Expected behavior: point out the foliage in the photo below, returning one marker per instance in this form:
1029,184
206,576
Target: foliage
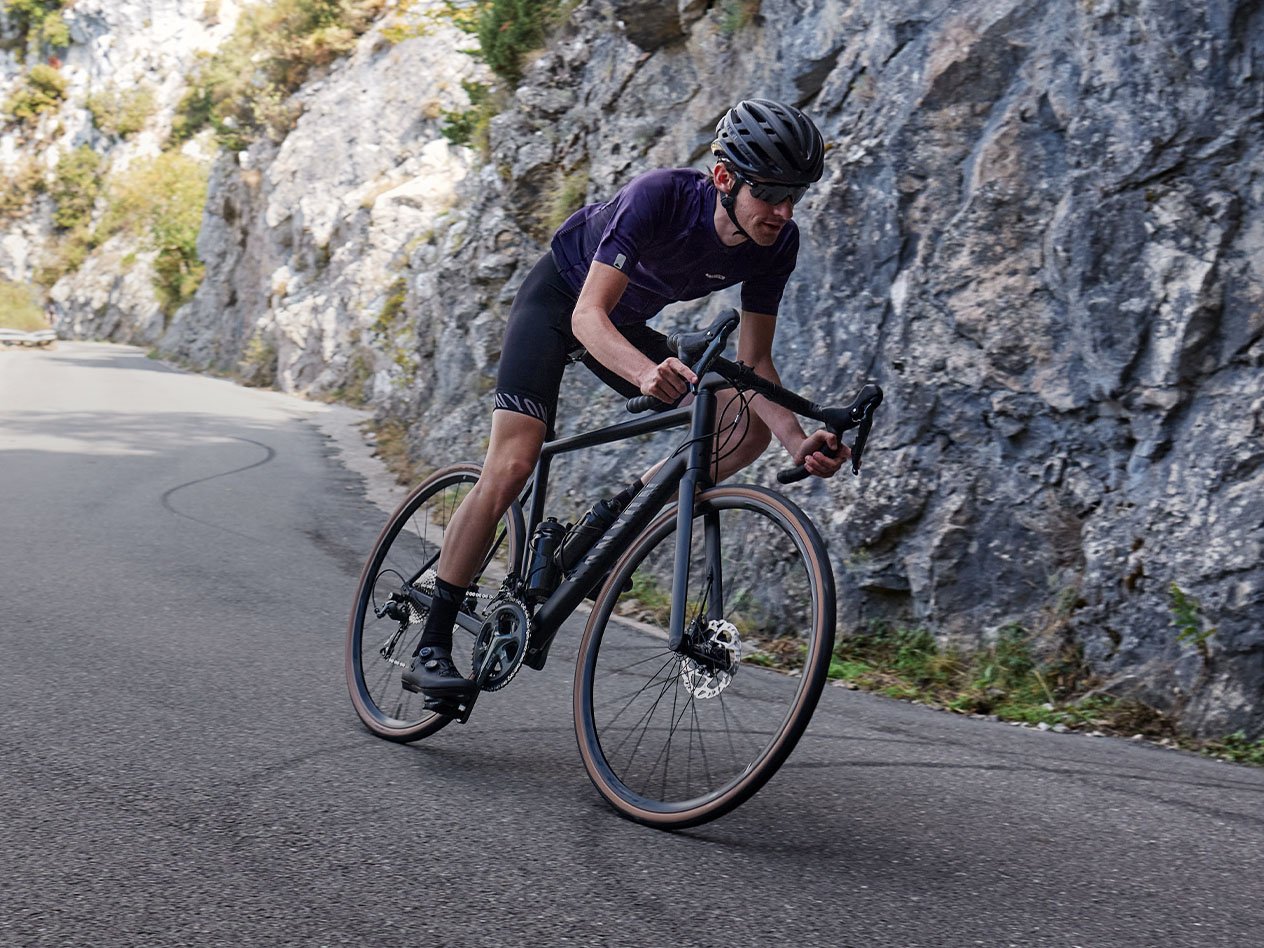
1238,748
161,200
1186,616
76,187
43,90
392,307
19,308
19,186
1003,678
391,446
38,23
121,113
736,15
243,91
258,367
469,126
69,251
565,198
507,30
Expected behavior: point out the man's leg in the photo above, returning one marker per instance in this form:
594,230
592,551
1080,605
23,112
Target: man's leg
511,456
736,447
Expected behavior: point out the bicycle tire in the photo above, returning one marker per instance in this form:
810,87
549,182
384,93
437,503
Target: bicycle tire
625,641
379,649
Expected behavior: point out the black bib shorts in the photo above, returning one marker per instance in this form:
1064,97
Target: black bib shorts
539,345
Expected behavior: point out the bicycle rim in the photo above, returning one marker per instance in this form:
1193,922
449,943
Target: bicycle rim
673,742
380,649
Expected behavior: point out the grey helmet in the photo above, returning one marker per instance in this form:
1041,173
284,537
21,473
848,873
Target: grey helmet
768,141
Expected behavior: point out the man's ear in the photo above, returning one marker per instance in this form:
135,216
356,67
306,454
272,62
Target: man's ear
723,180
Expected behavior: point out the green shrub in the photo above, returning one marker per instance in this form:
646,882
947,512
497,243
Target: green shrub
69,251
161,200
258,365
469,126
76,187
736,15
38,23
565,198
19,308
19,186
121,113
1187,617
1238,748
508,30
243,90
43,90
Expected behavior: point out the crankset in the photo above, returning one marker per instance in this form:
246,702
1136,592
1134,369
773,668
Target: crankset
501,644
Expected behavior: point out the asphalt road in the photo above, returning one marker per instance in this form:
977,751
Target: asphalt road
180,763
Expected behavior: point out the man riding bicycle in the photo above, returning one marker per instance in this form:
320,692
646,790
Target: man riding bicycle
669,235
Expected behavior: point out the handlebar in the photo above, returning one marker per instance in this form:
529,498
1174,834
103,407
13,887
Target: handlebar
701,352
858,415
703,346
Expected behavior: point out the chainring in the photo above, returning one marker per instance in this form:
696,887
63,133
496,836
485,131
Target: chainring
501,644
722,638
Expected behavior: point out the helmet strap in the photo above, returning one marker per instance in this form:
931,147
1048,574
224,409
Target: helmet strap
729,203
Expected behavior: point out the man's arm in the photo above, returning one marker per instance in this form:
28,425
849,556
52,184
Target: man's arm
754,347
591,325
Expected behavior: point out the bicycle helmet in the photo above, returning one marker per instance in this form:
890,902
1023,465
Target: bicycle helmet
767,141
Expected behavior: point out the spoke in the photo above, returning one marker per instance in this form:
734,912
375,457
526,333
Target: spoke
645,716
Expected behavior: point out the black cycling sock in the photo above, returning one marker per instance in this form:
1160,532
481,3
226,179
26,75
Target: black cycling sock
437,632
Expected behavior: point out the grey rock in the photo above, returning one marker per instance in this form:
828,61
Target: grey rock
1040,230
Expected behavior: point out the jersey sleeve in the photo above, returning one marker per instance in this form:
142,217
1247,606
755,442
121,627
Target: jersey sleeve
635,217
762,293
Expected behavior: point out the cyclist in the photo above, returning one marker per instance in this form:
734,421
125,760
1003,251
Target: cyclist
669,235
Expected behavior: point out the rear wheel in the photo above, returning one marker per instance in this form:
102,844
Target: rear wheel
677,738
385,625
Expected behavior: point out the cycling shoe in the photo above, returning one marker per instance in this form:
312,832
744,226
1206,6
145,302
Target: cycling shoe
433,673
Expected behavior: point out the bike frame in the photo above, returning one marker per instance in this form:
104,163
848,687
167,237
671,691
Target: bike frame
683,473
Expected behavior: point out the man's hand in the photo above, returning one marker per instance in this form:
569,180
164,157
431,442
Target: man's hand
667,381
815,461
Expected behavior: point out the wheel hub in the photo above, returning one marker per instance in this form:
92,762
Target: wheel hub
720,648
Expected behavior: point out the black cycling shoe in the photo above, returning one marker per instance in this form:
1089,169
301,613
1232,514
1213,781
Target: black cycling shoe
434,673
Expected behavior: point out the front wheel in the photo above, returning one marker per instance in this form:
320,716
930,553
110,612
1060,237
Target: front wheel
386,622
676,738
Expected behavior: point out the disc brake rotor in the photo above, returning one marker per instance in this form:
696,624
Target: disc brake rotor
721,640
501,644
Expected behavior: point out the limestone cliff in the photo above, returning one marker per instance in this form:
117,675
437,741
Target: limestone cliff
1040,230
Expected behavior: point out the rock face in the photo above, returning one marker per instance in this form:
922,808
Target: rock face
1040,230
114,45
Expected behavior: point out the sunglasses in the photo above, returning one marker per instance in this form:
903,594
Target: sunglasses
774,193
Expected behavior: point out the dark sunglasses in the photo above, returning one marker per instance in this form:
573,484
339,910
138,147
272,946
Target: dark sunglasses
774,193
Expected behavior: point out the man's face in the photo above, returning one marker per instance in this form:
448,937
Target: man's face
763,221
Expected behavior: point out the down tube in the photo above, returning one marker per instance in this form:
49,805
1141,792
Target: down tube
644,507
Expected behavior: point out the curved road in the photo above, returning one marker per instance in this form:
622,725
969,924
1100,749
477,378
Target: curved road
180,764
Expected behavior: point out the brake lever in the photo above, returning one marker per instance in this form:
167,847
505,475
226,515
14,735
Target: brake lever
860,417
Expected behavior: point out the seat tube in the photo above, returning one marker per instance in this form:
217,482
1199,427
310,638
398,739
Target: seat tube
698,472
539,486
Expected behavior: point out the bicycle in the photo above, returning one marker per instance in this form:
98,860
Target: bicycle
708,643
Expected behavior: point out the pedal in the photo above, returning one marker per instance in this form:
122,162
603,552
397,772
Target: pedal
452,707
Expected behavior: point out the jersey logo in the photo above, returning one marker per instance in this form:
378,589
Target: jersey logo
716,276
619,261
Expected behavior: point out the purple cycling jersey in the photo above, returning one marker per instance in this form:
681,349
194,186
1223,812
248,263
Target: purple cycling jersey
660,231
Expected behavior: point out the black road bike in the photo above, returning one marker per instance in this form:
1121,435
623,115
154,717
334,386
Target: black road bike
709,638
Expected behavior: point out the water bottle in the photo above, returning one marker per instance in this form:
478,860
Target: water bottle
586,533
544,574
592,525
